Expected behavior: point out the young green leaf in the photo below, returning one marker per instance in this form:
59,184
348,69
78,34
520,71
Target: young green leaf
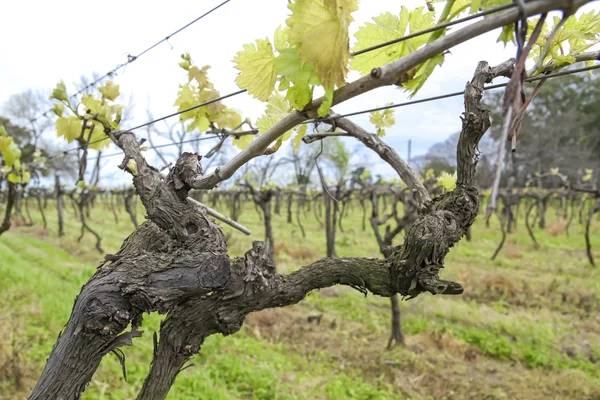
12,156
447,181
5,142
386,27
277,108
58,109
256,64
422,72
59,92
109,91
292,69
98,140
319,30
382,119
14,177
69,127
25,177
301,132
91,104
132,166
242,141
326,104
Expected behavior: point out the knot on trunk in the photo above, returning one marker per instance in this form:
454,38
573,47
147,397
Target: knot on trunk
182,175
427,280
429,240
258,265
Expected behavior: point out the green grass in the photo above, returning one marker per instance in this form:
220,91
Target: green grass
526,326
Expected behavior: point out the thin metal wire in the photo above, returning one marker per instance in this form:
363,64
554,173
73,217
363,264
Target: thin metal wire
408,103
454,94
131,58
182,28
153,121
241,133
435,28
187,109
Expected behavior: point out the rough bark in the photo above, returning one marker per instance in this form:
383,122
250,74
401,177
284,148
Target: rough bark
29,221
82,202
263,200
301,206
58,193
10,202
130,207
113,208
396,336
588,242
41,210
329,220
290,199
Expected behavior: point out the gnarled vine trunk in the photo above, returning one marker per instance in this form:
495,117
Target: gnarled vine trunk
176,263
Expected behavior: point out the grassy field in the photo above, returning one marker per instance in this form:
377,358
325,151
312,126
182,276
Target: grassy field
527,326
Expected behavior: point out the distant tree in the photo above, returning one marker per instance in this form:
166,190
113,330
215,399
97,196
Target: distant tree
30,110
561,128
441,157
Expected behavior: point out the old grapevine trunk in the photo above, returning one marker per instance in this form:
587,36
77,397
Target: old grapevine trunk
176,263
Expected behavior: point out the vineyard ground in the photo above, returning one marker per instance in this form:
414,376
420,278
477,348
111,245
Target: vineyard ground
527,326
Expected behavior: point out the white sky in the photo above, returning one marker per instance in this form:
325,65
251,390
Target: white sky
44,41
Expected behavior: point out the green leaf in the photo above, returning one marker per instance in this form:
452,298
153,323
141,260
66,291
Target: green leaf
386,27
91,104
5,142
109,91
422,73
281,38
507,34
132,166
447,181
3,131
301,132
299,96
69,127
419,20
200,122
365,174
12,156
25,177
382,119
326,104
14,178
107,115
277,109
242,141
228,119
59,92
319,30
186,98
559,61
200,75
58,109
256,64
576,35
301,74
98,140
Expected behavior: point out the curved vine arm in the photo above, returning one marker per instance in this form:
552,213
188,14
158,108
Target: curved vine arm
588,242
389,74
10,203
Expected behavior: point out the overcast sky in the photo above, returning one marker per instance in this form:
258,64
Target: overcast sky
45,41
